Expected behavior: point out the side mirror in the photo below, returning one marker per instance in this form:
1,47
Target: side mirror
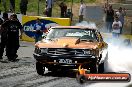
101,44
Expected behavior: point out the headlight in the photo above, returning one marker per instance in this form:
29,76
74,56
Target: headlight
86,52
37,50
40,50
44,50
93,52
89,52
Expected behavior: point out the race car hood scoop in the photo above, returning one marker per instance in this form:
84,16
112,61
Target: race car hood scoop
65,41
60,42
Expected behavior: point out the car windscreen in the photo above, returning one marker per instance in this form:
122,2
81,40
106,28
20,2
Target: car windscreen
83,34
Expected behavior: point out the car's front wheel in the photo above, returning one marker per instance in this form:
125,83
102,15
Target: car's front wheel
81,79
40,68
52,69
94,69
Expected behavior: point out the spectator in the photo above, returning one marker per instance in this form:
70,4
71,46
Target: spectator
49,5
1,21
69,14
109,17
121,14
38,30
63,8
106,5
116,26
10,32
3,32
81,12
23,6
12,5
12,44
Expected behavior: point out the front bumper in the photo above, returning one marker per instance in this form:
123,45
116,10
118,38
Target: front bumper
75,61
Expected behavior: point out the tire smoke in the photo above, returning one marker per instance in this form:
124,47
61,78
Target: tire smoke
119,52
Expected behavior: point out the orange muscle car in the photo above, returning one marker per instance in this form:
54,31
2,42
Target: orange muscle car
68,47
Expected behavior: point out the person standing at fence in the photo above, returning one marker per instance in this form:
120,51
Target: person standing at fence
23,6
81,12
3,32
38,30
1,22
63,8
116,26
109,17
12,5
49,6
121,14
12,45
69,14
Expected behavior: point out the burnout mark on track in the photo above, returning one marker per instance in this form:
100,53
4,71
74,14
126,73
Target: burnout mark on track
4,61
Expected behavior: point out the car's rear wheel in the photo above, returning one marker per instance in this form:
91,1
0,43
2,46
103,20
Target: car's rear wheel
94,67
40,68
101,68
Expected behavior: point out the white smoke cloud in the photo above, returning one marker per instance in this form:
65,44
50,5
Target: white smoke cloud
87,24
120,56
120,52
